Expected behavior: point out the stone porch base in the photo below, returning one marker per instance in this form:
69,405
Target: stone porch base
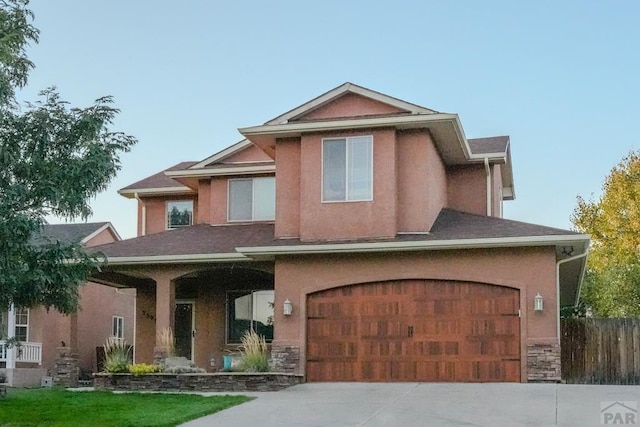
219,381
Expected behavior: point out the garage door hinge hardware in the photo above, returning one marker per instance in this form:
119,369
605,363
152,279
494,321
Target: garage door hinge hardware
519,313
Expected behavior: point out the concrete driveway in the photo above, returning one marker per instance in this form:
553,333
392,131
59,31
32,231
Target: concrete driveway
429,404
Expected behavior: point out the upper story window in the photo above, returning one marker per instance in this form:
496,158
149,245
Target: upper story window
252,199
179,213
22,324
347,169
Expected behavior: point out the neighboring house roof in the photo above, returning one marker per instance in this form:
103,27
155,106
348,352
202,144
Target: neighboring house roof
158,183
73,233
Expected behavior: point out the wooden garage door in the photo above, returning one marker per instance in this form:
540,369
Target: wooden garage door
414,330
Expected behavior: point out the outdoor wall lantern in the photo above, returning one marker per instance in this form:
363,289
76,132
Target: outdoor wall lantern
538,303
287,308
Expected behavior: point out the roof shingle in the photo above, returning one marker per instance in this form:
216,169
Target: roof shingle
207,239
493,144
67,233
160,180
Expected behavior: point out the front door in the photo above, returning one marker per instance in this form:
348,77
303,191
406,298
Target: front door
184,331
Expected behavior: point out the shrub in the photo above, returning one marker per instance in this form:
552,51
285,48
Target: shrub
253,354
180,365
144,368
166,339
184,370
116,355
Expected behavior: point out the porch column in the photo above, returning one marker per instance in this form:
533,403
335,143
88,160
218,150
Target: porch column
11,332
165,312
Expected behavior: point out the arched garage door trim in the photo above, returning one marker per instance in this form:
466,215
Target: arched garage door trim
414,330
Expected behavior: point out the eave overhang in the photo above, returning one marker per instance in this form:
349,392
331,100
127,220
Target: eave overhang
177,259
191,177
445,129
130,193
206,172
270,252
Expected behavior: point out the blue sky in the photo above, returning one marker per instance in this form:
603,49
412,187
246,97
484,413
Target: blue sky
561,78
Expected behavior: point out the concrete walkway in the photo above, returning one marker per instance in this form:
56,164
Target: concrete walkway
425,404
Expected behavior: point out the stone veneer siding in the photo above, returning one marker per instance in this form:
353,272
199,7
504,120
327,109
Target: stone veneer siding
219,381
285,358
543,363
66,370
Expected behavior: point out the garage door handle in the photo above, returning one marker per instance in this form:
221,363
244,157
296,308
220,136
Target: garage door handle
410,331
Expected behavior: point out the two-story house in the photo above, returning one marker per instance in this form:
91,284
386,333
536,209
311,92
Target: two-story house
360,234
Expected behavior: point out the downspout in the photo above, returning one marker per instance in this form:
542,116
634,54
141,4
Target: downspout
487,170
558,263
143,228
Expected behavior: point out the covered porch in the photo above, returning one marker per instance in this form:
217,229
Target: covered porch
207,306
20,364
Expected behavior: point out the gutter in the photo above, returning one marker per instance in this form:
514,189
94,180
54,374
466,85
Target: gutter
487,169
560,262
242,170
177,259
144,214
411,245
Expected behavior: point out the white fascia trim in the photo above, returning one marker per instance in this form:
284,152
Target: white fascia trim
100,230
221,171
177,259
500,157
130,193
346,88
507,193
297,128
413,246
220,155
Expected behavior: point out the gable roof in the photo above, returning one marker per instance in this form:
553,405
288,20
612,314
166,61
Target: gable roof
341,90
73,233
158,183
445,129
312,105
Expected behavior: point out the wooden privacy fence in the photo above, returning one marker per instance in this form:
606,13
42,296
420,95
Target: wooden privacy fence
600,351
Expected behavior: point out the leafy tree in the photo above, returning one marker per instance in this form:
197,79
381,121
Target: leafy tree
612,284
53,160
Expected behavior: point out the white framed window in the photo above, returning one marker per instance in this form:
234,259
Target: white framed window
117,327
179,213
22,324
250,311
347,169
252,199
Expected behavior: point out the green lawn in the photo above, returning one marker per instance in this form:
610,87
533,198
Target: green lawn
58,407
